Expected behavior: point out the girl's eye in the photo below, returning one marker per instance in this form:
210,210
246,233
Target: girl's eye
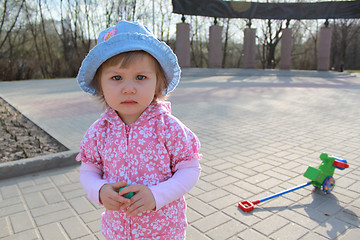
117,77
140,77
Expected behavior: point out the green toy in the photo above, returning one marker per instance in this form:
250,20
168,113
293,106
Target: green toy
322,177
129,195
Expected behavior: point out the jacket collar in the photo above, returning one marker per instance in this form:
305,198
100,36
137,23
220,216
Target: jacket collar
153,110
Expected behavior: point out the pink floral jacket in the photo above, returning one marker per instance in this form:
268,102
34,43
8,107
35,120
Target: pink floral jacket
146,152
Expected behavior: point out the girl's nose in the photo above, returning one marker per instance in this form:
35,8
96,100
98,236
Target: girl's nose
128,88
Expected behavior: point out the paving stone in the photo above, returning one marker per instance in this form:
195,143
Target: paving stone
212,195
205,185
302,220
195,191
211,221
74,227
52,196
53,217
81,205
242,193
194,234
227,230
60,180
332,228
4,226
350,215
252,234
92,216
21,222
9,192
25,235
269,183
9,202
34,200
48,209
53,231
225,201
214,176
330,206
252,188
200,207
9,210
290,231
312,236
95,227
351,234
270,224
73,194
100,236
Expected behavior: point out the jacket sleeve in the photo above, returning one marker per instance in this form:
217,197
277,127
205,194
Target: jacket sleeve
91,180
181,143
91,145
185,177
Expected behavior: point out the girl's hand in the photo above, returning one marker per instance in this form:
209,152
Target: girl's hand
110,197
142,201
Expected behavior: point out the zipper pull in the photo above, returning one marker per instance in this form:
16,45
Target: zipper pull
127,130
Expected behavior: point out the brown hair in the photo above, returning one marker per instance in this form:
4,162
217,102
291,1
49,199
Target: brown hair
125,59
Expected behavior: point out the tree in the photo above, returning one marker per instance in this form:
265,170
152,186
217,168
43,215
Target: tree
269,40
10,12
345,36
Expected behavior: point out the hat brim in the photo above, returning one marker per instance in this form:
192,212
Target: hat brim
124,43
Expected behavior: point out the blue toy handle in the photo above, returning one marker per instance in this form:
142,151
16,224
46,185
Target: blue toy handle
248,206
285,191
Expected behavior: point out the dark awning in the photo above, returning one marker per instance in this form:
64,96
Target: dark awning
255,10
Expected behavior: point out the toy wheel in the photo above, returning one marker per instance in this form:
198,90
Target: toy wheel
328,184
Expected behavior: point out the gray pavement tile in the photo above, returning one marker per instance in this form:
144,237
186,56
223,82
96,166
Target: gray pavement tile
351,234
211,221
31,234
79,231
52,231
252,234
271,224
332,229
21,221
290,231
227,230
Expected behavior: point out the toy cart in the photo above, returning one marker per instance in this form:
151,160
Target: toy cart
321,177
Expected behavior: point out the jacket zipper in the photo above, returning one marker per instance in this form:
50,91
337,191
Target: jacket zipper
127,130
129,221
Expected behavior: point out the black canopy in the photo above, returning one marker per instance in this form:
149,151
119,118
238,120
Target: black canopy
255,10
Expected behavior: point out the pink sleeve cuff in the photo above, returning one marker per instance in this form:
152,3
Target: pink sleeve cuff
91,180
178,185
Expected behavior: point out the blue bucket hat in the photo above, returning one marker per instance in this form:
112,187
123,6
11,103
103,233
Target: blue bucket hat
125,37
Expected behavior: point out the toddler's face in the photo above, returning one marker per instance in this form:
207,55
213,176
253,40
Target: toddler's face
130,90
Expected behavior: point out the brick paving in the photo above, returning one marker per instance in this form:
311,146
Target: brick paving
259,131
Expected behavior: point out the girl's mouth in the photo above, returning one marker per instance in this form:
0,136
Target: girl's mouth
129,102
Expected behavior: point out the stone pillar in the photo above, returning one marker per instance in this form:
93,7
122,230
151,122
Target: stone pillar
182,44
285,57
324,47
215,47
249,48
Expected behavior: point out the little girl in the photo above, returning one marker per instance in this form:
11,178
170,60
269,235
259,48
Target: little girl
136,141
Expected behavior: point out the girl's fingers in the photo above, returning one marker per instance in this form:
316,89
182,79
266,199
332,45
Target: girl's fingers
136,208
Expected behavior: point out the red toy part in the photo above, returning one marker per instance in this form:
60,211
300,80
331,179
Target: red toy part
248,206
341,165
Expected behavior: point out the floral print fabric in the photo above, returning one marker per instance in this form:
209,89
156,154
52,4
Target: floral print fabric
145,152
